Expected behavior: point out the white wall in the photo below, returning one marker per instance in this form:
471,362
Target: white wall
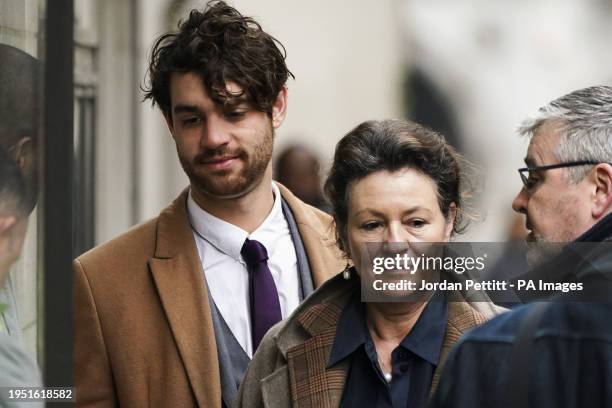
115,120
161,177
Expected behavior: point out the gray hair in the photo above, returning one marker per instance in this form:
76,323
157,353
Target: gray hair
585,132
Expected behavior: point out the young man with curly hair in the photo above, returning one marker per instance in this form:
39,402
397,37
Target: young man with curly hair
171,312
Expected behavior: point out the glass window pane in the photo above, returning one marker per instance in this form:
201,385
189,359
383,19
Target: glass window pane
21,74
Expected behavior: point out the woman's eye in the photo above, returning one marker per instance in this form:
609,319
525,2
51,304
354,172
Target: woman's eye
371,226
417,223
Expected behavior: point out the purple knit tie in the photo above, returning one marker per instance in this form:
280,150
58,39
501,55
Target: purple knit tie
265,307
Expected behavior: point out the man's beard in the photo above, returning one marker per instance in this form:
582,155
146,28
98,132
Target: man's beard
540,251
232,184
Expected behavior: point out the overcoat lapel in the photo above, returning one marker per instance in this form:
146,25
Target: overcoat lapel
178,276
312,383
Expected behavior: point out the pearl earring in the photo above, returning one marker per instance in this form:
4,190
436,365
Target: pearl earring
346,274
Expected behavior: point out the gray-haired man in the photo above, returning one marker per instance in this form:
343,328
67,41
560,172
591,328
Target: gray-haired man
553,354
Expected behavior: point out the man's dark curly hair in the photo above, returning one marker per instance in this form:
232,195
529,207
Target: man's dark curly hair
220,45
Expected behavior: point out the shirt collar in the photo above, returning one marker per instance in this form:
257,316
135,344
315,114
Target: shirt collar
351,331
225,236
599,232
425,339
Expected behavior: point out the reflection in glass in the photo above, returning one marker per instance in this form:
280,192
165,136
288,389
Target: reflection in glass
20,124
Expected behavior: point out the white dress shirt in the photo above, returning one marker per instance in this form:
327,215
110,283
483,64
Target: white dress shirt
219,244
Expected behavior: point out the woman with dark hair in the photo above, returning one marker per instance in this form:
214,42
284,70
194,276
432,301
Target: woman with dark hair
394,182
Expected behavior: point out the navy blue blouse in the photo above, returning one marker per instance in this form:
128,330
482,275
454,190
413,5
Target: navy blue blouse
414,360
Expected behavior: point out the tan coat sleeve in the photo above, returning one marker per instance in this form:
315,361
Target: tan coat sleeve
92,371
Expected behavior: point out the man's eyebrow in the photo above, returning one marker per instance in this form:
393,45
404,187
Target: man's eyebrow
181,108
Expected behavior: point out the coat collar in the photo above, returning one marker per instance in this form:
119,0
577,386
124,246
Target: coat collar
315,234
312,383
306,342
327,301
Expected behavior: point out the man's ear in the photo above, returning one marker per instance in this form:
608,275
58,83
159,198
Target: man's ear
23,153
602,195
279,109
6,223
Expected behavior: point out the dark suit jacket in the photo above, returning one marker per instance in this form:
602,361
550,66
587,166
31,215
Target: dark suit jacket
143,329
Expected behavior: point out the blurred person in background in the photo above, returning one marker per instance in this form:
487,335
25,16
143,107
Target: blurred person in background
391,182
297,168
17,368
558,353
19,123
171,312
